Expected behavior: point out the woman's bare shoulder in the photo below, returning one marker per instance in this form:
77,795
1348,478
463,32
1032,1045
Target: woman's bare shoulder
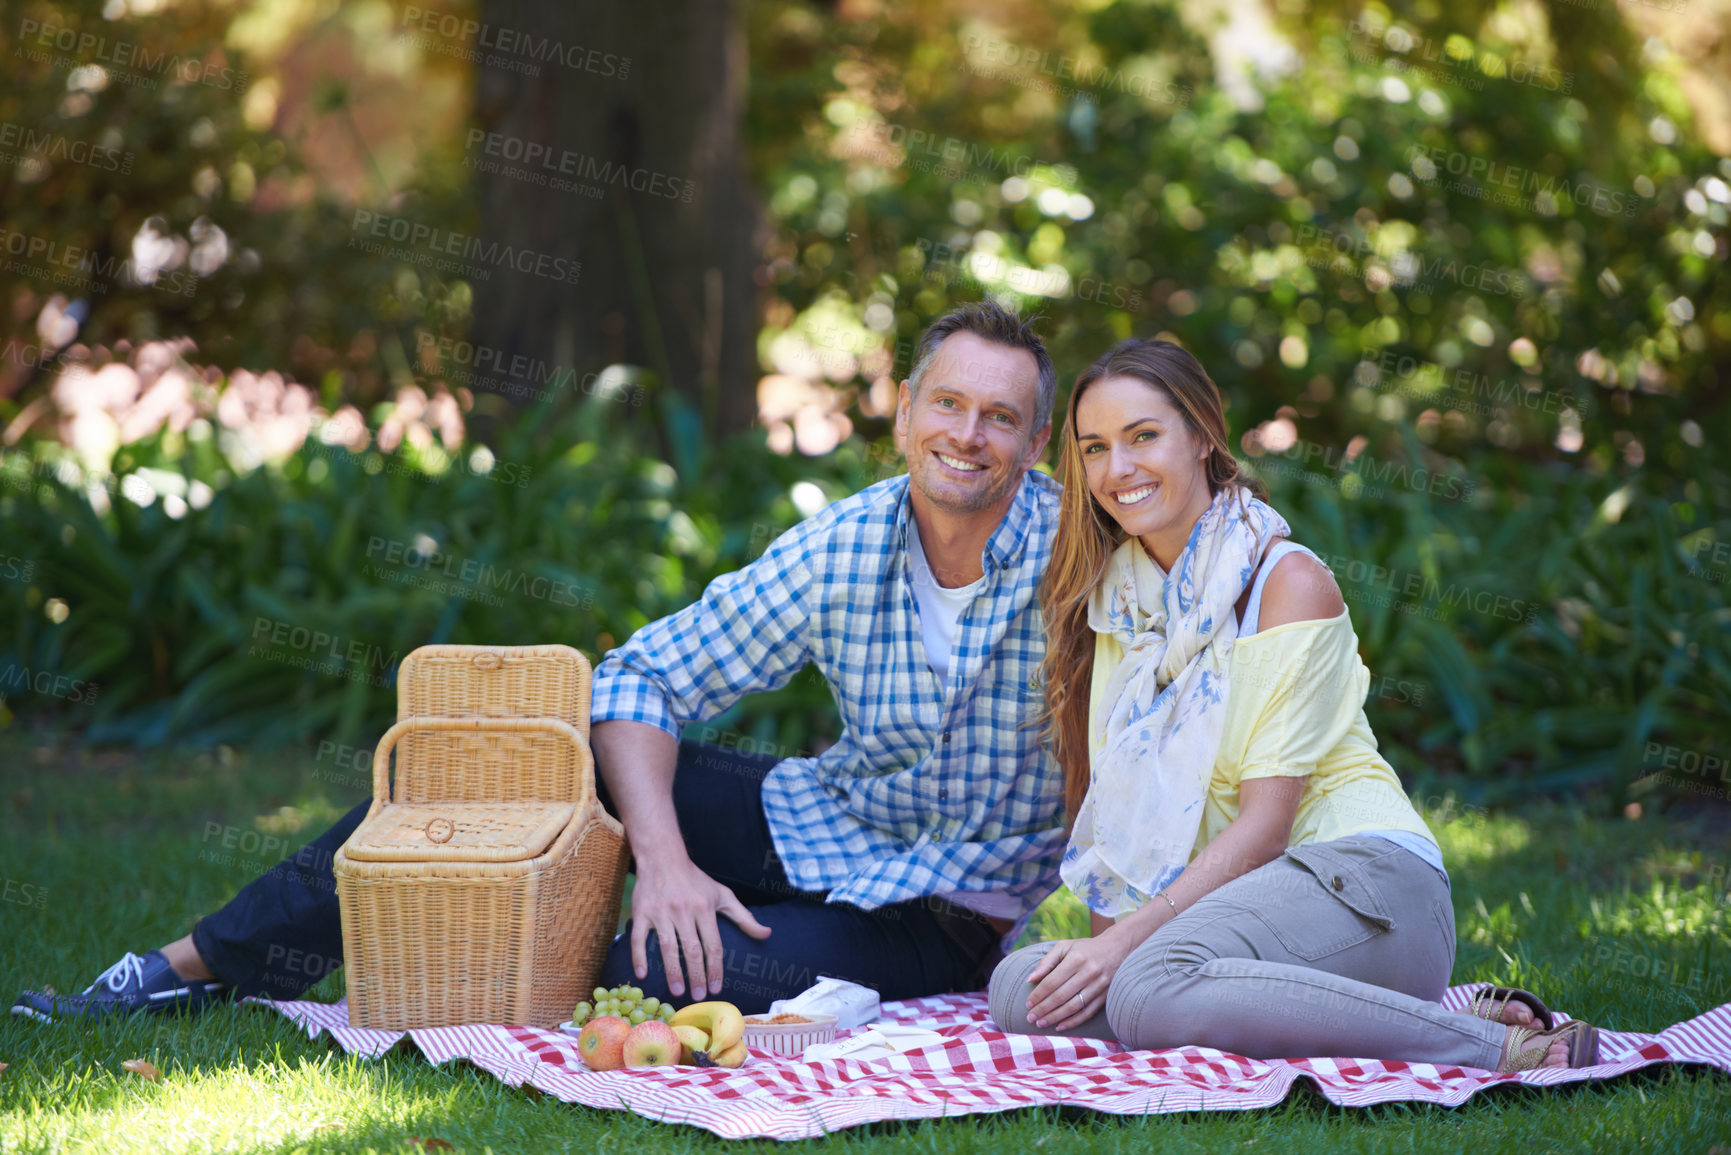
1299,589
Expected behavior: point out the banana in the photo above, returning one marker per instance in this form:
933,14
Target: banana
733,1056
691,1042
721,1021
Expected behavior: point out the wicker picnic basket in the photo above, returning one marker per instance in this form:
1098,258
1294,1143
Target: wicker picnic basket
484,884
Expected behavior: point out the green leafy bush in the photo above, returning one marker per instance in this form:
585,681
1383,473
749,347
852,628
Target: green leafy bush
278,610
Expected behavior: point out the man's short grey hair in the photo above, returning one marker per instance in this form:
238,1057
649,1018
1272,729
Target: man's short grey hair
992,322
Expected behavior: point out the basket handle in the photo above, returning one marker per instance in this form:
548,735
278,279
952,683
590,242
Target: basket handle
388,743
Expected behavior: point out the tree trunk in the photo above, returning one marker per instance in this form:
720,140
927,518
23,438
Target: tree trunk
642,106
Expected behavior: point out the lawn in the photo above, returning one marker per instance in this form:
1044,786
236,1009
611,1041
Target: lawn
1621,920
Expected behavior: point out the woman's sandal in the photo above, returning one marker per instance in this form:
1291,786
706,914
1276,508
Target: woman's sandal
1489,1003
1524,1048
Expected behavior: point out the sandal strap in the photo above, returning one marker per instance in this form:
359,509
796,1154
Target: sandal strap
1517,1056
1486,1004
1489,1003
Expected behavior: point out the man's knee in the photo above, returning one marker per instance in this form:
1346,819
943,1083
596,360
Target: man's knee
616,968
744,970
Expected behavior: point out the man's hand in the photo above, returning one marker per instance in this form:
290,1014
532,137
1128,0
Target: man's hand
672,898
679,903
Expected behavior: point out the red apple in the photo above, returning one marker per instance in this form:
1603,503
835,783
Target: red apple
602,1043
651,1044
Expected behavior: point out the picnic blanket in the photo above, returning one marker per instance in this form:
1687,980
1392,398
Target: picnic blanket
980,1069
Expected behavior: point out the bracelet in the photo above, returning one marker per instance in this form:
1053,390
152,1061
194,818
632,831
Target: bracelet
1168,898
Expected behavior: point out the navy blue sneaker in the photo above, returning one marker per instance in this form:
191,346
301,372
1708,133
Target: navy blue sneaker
132,984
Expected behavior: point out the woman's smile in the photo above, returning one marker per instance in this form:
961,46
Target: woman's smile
1129,497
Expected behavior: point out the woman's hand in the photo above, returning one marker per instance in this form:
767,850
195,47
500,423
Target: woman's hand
1069,984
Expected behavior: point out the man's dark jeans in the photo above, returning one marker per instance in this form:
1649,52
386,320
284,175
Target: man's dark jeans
283,931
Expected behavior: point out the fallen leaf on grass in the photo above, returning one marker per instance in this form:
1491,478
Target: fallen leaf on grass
3,1067
141,1067
430,1144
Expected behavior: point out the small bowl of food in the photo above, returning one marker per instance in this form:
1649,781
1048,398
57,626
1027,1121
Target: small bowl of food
788,1034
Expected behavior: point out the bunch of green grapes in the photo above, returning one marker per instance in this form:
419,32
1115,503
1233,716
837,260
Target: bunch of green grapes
626,1002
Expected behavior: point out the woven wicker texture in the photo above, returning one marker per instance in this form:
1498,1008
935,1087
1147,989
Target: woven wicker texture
486,888
459,832
485,760
495,682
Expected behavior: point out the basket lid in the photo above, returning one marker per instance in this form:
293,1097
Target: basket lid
550,681
459,831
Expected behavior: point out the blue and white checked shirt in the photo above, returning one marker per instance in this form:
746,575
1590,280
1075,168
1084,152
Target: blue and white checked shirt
933,788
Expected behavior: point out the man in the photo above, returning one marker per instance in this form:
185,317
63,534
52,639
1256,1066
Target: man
908,854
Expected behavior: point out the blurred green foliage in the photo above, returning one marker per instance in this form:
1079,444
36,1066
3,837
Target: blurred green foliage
1480,245
278,611
244,170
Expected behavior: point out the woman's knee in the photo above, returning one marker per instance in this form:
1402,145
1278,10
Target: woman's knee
1007,992
1157,1016
1139,1003
1153,1001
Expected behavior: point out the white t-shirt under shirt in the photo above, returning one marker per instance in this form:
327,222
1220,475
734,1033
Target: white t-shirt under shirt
941,610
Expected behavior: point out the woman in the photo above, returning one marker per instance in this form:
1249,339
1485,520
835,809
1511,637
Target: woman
1259,882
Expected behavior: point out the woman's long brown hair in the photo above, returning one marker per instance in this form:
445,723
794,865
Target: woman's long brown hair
1087,535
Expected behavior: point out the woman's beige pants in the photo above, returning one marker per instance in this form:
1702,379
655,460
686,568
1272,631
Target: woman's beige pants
1334,949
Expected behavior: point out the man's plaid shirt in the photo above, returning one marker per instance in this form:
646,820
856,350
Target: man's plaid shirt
932,788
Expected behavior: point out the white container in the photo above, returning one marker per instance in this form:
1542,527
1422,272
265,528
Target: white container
789,1038
851,1004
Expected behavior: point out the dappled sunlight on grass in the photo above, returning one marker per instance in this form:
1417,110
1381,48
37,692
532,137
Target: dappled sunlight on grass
1661,911
237,1106
1486,925
1476,835
1688,866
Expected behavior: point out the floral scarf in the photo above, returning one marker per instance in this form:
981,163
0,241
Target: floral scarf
1165,705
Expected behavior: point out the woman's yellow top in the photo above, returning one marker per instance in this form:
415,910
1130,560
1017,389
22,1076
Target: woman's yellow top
1294,708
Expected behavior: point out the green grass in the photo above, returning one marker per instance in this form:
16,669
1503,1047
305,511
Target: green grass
1586,910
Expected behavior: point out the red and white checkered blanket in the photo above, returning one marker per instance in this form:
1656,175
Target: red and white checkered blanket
979,1069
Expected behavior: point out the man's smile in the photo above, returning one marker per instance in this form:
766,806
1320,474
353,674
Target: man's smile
958,464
